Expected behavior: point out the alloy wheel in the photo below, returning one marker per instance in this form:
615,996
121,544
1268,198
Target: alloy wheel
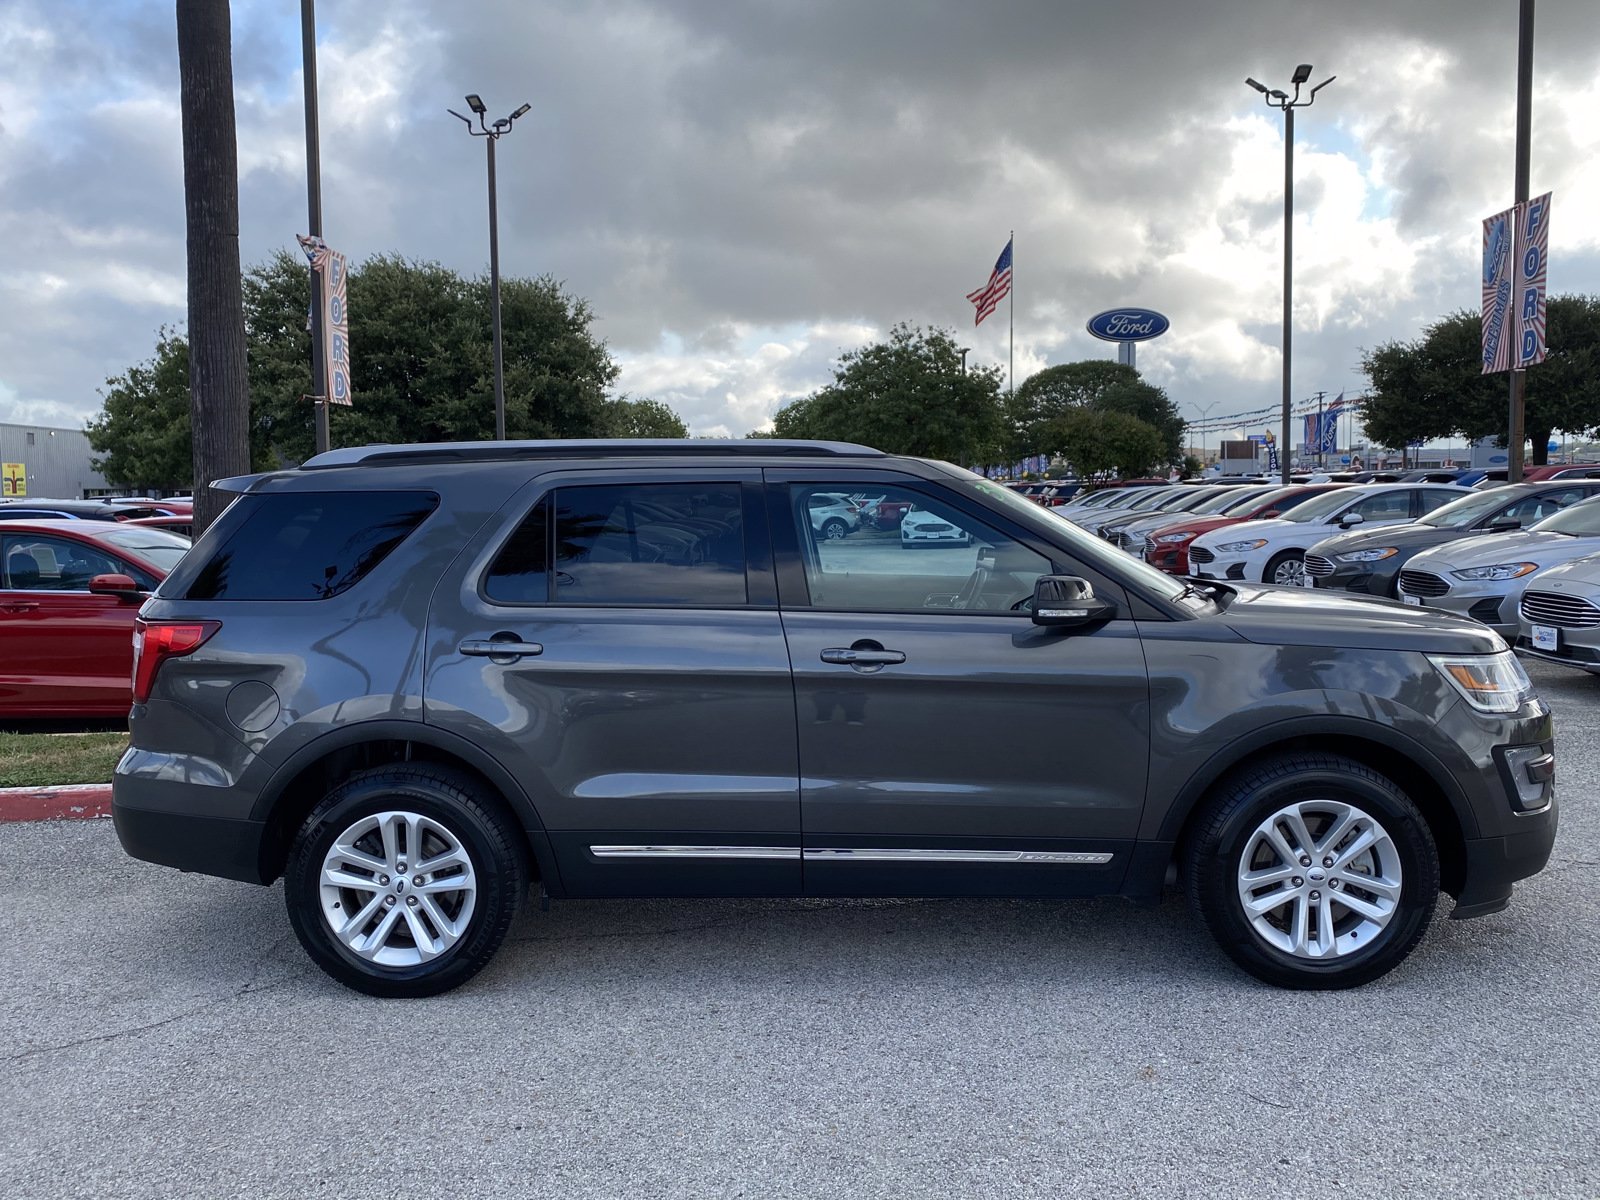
1319,879
397,888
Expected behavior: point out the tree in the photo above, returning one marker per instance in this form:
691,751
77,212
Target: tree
627,418
422,368
142,431
1097,384
1100,443
1435,386
1055,391
219,399
906,395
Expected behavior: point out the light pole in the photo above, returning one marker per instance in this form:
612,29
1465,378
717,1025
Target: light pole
492,134
1204,409
965,350
1282,100
308,56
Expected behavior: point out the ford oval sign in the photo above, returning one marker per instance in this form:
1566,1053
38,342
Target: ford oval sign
1128,325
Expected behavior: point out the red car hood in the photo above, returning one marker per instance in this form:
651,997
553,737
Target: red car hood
1196,525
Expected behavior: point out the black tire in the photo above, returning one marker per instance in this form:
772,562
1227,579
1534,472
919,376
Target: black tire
455,802
1224,828
833,529
1270,572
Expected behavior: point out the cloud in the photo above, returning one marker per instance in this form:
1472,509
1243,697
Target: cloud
743,191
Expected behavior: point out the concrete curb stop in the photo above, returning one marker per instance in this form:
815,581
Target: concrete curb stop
67,802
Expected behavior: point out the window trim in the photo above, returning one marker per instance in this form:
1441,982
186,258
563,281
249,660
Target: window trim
794,590
760,588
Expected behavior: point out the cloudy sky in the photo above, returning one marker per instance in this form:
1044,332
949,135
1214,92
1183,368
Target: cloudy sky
745,188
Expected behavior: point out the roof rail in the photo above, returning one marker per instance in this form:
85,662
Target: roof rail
583,448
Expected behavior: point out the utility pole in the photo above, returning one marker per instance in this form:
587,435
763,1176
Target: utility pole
308,57
1519,379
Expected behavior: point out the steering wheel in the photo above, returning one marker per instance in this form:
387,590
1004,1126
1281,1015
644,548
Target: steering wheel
971,593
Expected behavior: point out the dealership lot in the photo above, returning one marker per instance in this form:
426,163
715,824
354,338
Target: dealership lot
162,1034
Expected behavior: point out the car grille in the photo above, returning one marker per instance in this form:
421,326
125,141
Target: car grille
1565,612
1125,541
931,527
1200,554
1486,610
1149,546
1422,583
1317,566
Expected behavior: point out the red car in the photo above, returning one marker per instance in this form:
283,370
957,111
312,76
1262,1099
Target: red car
1167,548
69,591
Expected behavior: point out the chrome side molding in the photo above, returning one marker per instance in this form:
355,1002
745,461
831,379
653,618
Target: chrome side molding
1075,858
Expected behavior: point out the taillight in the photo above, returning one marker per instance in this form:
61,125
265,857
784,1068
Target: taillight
156,641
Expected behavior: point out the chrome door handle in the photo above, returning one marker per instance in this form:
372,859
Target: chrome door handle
862,658
21,606
490,648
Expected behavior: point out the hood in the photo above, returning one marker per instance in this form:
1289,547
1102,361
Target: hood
1580,578
1286,616
1405,537
1198,526
1485,549
1244,529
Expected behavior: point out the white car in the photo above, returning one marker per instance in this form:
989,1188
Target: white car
919,528
1484,577
1559,616
1274,551
832,515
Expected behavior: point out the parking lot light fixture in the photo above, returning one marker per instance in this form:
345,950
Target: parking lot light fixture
492,134
1286,103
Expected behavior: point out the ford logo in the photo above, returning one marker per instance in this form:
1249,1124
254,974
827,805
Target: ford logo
1128,325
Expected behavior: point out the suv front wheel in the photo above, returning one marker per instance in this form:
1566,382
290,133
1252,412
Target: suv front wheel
404,880
1313,871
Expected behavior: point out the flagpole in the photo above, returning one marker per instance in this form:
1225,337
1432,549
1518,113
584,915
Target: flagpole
1011,371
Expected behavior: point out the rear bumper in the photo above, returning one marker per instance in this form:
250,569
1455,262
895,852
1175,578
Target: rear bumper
208,845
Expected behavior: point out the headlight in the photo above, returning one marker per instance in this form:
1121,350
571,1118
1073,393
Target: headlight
1240,547
1497,571
1177,537
1491,683
1368,555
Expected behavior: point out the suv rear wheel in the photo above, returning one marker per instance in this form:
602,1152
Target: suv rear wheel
404,880
1313,871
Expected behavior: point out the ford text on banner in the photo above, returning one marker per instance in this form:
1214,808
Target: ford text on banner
1499,238
1533,252
335,317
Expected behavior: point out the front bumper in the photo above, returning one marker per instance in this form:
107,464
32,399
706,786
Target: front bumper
1174,560
1486,603
1494,864
1360,579
1579,648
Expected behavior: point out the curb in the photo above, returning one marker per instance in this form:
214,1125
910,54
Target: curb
68,802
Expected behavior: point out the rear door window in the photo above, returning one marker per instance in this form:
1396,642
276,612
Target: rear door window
663,544
308,545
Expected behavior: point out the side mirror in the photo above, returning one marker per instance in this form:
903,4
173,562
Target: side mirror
116,585
1504,524
1068,600
1350,520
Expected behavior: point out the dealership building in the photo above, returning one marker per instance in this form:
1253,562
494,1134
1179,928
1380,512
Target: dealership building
40,461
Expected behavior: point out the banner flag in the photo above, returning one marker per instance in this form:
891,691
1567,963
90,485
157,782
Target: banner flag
1330,424
330,265
1533,250
1499,238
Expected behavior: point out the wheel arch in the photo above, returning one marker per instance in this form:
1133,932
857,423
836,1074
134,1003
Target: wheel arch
1413,768
310,772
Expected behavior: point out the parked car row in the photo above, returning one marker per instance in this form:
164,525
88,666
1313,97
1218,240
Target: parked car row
1523,559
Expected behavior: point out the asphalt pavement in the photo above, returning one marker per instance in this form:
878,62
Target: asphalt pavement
163,1035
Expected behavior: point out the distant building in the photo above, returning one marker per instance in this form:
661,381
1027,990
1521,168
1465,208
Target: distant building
54,463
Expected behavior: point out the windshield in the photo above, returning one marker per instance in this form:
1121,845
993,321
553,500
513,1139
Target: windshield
1324,505
1085,545
1152,498
1458,514
1581,520
1224,500
156,546
1238,506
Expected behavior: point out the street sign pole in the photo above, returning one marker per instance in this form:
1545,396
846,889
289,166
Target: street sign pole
1519,378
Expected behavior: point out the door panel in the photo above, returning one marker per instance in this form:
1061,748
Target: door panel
1006,758
663,735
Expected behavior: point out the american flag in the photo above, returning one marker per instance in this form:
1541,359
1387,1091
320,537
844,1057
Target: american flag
988,297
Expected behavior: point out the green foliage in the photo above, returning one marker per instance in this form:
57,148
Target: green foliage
907,395
1434,386
1100,443
625,418
422,369
1192,466
1094,384
142,432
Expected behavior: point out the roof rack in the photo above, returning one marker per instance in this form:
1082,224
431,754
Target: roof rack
583,448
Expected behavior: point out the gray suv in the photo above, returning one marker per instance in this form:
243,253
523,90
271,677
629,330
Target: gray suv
417,681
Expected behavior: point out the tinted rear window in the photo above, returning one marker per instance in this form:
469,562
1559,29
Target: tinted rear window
308,545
